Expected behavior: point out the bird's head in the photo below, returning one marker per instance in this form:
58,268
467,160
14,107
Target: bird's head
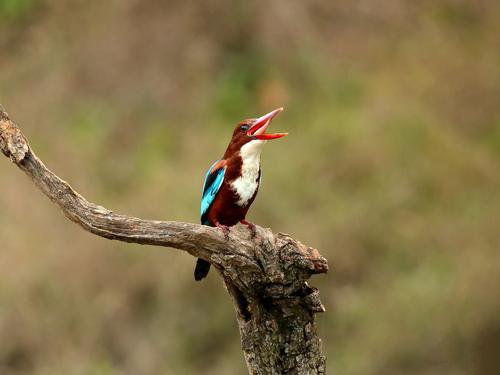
252,134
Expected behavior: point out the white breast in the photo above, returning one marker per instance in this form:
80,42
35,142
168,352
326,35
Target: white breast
246,185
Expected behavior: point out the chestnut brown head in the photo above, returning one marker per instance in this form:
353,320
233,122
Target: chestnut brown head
253,130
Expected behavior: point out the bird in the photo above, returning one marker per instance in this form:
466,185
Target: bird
232,182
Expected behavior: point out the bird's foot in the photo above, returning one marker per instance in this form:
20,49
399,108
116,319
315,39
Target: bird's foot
224,228
251,226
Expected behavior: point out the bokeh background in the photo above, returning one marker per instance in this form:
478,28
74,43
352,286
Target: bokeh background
391,170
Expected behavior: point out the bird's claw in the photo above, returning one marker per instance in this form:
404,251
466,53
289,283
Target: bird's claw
251,226
225,230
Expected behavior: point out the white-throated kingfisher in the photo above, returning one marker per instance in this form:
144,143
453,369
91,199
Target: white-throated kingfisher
231,183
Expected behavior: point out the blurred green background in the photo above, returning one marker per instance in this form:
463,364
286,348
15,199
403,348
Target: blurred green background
391,170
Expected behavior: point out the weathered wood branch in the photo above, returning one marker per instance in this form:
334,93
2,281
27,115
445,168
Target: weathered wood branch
266,276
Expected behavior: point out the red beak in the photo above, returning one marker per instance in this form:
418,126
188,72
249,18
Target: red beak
258,129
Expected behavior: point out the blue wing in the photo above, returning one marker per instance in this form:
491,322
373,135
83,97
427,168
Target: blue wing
211,186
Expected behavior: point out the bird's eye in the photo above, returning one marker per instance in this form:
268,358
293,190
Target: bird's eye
244,128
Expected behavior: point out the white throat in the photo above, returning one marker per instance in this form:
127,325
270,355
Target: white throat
246,185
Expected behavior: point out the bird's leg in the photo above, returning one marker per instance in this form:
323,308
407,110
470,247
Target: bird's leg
225,229
250,225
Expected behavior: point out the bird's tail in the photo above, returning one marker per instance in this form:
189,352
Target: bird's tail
201,269
202,266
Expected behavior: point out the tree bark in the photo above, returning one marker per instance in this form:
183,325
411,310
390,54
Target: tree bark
266,276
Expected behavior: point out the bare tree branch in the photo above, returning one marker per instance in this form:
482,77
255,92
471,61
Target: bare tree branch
200,241
266,276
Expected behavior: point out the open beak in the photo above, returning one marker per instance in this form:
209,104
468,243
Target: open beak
258,129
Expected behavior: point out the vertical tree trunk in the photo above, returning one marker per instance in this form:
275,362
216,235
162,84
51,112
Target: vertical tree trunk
282,342
276,307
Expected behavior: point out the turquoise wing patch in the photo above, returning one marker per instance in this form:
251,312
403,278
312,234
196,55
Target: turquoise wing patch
211,186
